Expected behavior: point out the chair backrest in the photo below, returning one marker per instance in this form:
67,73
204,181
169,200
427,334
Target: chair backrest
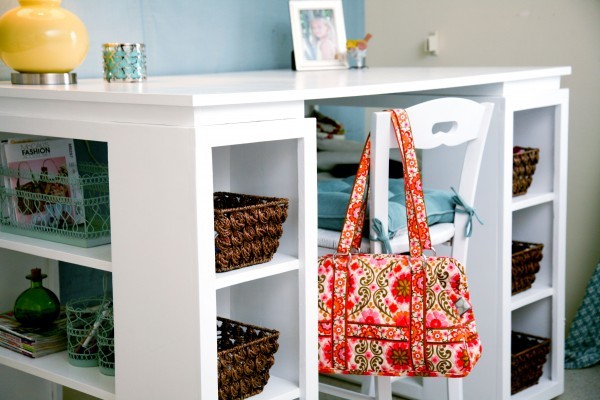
436,123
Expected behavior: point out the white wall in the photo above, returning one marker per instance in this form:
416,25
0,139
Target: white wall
516,33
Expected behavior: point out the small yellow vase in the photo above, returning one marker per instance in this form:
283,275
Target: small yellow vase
41,37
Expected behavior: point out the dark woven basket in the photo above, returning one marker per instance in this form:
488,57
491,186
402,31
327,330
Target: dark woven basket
525,160
528,356
526,259
247,229
245,355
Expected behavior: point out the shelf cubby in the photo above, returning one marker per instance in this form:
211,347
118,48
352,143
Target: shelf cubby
56,368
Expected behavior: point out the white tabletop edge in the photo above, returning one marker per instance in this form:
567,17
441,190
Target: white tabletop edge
278,85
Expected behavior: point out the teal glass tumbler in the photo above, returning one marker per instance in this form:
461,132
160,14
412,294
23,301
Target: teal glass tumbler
124,62
82,326
106,344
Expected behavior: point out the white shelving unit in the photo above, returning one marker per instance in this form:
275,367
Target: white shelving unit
174,140
529,118
540,216
164,281
530,113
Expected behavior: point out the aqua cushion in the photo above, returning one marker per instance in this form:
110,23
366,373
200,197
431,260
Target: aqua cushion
334,194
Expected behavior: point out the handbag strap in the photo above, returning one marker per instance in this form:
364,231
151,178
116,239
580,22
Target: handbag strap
351,234
418,230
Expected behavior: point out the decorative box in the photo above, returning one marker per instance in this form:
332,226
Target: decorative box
525,160
526,259
528,356
245,355
247,229
56,207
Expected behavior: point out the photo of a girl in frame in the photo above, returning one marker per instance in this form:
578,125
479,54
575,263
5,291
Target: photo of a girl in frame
319,35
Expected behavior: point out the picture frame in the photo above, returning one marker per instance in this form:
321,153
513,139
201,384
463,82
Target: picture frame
319,34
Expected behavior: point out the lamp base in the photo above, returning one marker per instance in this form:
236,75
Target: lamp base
23,78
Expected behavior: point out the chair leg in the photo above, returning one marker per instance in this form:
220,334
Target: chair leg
368,386
380,388
383,388
455,389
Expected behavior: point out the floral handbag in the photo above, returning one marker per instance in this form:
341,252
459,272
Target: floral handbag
392,314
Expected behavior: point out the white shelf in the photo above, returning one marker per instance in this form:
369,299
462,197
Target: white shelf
540,309
529,296
545,389
56,368
280,264
98,257
278,389
531,199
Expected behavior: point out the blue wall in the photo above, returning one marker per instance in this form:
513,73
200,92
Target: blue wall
194,36
186,37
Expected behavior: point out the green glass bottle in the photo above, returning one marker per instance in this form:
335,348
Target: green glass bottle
37,306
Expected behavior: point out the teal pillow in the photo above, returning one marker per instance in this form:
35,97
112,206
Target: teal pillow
334,194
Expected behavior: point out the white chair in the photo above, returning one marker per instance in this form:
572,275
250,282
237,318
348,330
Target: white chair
444,126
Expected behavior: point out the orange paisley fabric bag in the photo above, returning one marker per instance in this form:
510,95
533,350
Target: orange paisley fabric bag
392,314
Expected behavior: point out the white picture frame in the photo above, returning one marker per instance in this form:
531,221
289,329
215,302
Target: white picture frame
318,34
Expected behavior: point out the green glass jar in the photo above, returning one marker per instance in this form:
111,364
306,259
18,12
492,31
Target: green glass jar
37,306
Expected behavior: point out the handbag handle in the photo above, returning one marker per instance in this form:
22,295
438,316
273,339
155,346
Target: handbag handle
418,229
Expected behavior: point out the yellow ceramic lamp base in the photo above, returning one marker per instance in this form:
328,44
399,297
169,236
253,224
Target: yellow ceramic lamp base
41,37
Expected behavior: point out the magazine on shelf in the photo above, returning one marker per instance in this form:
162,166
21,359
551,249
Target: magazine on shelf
34,352
44,176
33,342
5,182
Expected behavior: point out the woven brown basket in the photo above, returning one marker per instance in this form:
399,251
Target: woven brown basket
528,356
525,160
245,355
247,229
526,259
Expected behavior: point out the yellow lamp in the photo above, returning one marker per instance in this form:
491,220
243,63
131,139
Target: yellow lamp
43,42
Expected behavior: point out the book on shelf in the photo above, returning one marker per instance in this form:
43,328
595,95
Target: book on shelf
44,176
5,182
33,342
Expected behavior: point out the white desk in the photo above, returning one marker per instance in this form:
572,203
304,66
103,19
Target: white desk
173,140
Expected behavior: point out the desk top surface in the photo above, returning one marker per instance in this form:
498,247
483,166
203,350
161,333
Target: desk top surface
278,85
